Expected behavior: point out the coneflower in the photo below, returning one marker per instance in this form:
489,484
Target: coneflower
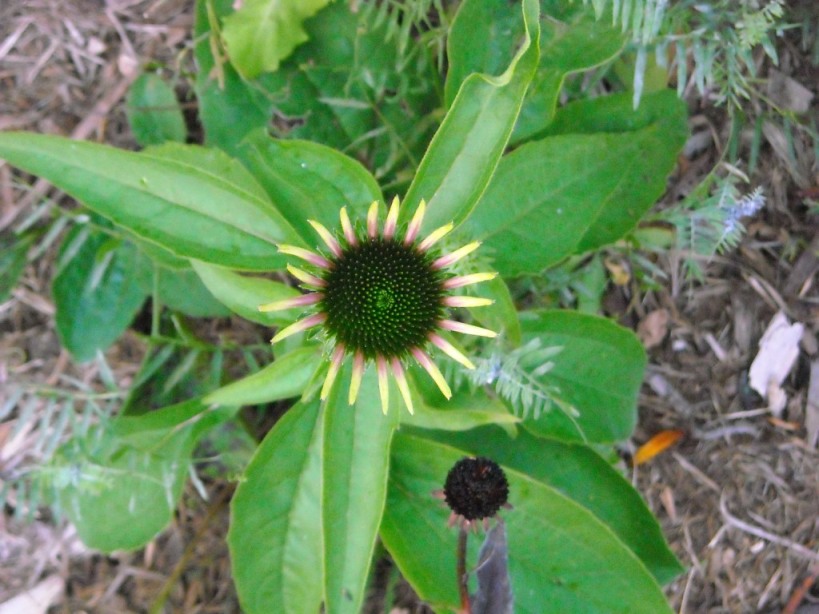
382,297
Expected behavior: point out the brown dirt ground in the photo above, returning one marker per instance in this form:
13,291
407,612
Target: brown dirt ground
738,496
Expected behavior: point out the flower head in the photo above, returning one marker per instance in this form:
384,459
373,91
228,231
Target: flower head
475,489
382,297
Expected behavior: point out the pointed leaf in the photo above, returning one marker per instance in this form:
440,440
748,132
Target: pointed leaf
95,293
354,486
187,199
154,112
466,149
275,526
243,295
308,181
285,378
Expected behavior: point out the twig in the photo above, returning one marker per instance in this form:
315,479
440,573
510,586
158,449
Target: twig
799,594
791,545
463,587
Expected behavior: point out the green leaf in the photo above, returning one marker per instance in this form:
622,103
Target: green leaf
559,553
582,188
185,198
275,525
571,42
229,106
285,378
154,112
123,491
578,472
484,33
354,486
95,292
308,181
263,32
243,295
599,372
13,252
462,412
466,149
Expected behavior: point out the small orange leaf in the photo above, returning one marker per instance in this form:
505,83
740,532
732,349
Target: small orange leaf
659,443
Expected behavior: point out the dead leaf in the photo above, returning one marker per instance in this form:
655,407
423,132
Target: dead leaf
37,600
787,93
494,594
620,274
778,351
653,328
659,443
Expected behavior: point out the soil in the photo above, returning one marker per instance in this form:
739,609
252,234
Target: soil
737,495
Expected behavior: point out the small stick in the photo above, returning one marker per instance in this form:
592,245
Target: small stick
463,588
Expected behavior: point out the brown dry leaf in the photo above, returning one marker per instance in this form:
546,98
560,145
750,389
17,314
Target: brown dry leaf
653,328
659,443
787,93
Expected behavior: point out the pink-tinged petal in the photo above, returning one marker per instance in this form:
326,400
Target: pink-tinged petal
467,329
435,236
355,380
447,348
347,227
433,370
297,327
305,277
453,257
329,240
466,280
296,301
403,387
305,254
466,301
383,382
332,372
392,219
415,224
372,221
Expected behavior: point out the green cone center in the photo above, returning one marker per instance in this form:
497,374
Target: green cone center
382,298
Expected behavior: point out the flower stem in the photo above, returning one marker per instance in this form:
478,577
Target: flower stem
463,588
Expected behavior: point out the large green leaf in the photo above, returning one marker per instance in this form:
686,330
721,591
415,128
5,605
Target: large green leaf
308,181
263,32
561,558
120,488
583,187
354,486
96,294
466,148
599,371
154,112
275,526
187,199
581,474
